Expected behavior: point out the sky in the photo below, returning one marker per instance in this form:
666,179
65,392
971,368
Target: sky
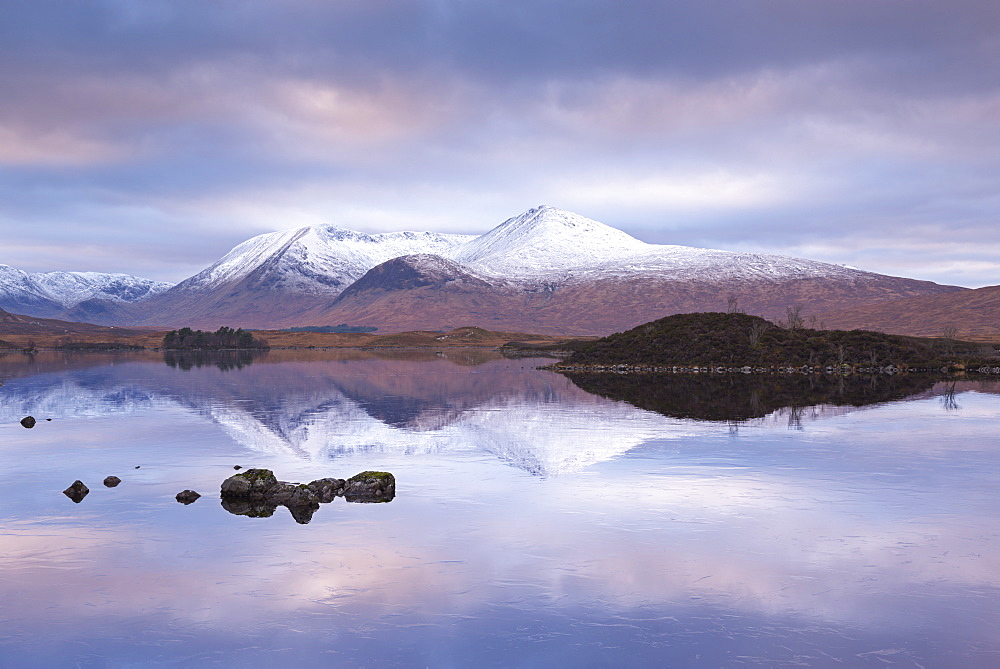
151,136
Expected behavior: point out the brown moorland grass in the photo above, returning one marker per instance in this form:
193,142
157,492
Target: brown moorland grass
459,337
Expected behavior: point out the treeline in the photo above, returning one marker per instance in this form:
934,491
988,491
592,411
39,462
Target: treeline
223,338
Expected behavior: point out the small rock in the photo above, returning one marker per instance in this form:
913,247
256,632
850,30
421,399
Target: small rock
28,421
292,494
187,496
112,481
251,483
327,489
137,466
77,491
370,487
48,420
237,467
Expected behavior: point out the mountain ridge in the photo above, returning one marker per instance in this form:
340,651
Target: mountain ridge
545,270
67,295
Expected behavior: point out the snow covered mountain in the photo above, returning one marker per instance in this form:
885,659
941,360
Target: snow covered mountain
557,246
322,260
59,294
546,270
272,277
549,244
552,271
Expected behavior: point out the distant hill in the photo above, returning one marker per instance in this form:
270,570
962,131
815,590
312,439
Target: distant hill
973,314
735,339
74,295
16,324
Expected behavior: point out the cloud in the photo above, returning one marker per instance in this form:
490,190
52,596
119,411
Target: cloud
773,126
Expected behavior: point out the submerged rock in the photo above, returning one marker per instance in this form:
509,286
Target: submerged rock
28,421
369,487
112,481
187,497
77,491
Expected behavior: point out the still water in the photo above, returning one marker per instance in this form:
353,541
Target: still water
539,520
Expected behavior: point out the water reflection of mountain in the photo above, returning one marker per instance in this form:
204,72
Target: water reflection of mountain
743,397
316,405
326,404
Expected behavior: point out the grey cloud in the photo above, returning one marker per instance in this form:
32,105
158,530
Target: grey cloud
868,120
494,38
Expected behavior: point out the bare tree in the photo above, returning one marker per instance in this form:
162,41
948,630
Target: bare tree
756,330
733,303
795,320
949,333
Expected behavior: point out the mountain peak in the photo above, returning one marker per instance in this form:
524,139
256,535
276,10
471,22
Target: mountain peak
414,271
548,240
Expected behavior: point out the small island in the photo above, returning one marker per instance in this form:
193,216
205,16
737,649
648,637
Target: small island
739,342
221,339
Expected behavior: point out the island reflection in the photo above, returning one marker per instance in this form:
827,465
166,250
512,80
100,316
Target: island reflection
741,397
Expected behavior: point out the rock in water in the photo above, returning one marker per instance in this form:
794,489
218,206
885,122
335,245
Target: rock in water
292,494
251,483
112,481
370,487
77,491
28,421
257,493
187,496
327,489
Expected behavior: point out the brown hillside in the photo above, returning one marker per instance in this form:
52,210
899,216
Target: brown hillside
974,314
17,329
594,307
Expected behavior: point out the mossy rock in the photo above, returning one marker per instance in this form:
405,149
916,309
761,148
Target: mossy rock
251,483
370,487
